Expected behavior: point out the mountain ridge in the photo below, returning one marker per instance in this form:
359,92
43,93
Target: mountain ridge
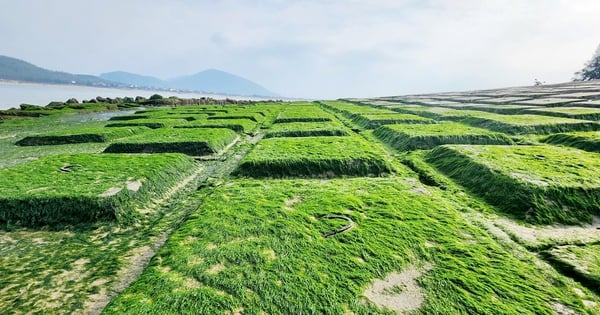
207,81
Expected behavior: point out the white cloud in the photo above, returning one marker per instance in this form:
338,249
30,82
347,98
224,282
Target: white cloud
313,48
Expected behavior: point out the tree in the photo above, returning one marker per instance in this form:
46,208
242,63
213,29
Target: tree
591,70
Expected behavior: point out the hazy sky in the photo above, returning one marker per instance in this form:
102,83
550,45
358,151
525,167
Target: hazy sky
318,49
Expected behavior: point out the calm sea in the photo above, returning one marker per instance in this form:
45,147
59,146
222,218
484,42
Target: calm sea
14,94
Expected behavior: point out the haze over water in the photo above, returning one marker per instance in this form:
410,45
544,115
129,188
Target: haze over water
14,94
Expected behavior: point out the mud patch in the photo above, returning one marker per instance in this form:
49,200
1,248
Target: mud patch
110,192
398,291
562,309
135,185
290,202
215,269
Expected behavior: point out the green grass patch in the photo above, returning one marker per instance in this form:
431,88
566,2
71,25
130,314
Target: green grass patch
83,188
589,141
585,113
82,135
306,129
535,124
313,157
268,255
428,136
191,141
374,121
237,125
538,184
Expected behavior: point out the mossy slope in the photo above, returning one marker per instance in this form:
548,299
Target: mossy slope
428,136
81,188
540,184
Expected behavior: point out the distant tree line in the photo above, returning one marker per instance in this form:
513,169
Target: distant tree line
591,70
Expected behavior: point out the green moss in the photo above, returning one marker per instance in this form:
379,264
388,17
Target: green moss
152,123
82,135
374,121
306,129
536,124
580,262
237,125
428,136
191,141
80,188
584,113
539,184
269,255
349,109
589,141
313,156
303,113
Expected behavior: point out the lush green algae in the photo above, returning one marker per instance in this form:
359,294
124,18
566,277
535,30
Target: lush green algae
191,141
80,188
306,129
269,255
313,157
540,184
428,136
589,141
80,135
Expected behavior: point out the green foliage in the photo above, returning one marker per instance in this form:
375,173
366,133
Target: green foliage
82,135
591,70
589,141
81,188
539,184
269,255
428,136
313,157
191,141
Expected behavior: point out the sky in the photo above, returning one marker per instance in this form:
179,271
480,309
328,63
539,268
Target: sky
312,49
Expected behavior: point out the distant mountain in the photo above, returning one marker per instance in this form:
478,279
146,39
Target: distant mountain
216,81
208,81
135,79
19,70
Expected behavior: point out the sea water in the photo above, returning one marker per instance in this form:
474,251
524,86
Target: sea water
13,94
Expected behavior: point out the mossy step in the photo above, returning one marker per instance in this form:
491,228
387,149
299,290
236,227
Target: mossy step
191,141
237,125
530,124
306,129
81,135
589,141
313,157
540,184
258,246
374,121
428,136
84,188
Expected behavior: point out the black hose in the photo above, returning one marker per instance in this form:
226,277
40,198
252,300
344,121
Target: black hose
343,229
